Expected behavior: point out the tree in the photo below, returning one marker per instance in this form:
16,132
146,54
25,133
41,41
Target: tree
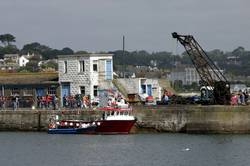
35,48
238,52
9,49
1,52
7,39
35,58
50,64
67,51
81,52
32,66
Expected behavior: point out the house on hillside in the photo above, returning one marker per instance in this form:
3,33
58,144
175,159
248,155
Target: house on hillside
9,62
85,74
22,61
11,58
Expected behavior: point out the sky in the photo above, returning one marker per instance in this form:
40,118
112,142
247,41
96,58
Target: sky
98,25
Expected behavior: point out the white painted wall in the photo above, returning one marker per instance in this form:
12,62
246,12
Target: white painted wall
22,61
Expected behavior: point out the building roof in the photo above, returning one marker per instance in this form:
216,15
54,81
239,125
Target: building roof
28,78
83,55
10,55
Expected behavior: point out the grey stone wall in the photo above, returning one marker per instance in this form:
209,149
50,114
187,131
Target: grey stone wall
130,84
73,75
38,120
189,119
195,119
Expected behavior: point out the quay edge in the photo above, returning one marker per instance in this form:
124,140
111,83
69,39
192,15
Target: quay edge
178,118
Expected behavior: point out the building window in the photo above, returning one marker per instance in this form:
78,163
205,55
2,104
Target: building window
65,67
15,91
51,90
28,92
82,66
82,90
143,89
95,91
108,70
95,66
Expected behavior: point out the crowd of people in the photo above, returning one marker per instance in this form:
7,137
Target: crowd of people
113,99
77,101
240,97
15,102
117,101
47,102
12,101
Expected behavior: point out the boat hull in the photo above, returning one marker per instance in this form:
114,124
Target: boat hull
101,127
114,126
89,130
62,131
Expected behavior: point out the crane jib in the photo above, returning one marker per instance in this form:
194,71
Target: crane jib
209,73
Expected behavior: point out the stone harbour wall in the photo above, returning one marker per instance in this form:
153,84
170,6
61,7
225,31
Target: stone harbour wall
195,119
181,118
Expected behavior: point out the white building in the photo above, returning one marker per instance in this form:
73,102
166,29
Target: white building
187,75
11,58
141,86
85,73
22,61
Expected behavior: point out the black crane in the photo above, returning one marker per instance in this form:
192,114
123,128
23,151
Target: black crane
215,89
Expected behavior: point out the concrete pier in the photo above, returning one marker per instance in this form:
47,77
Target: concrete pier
179,118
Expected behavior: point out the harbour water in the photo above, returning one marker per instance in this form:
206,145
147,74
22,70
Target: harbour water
41,149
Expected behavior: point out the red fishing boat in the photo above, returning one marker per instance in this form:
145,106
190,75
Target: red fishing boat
113,121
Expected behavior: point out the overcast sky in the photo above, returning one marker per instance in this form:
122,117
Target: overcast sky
98,25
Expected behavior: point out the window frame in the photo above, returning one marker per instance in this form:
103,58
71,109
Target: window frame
81,66
65,67
51,89
95,65
108,74
81,88
95,90
27,92
16,90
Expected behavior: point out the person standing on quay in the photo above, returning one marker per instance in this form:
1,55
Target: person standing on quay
15,102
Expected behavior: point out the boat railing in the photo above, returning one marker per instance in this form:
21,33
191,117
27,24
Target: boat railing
116,113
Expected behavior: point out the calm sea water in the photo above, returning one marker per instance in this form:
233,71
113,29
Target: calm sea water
41,149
